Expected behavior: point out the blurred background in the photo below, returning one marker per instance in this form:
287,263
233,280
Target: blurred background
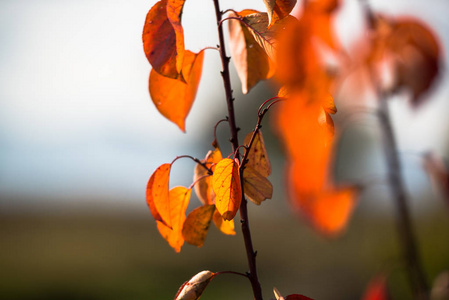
79,138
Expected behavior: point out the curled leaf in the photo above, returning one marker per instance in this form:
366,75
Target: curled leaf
227,188
197,225
179,200
250,59
257,187
278,9
194,288
158,195
174,98
227,227
258,156
163,42
203,187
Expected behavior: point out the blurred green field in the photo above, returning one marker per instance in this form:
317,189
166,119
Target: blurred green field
119,255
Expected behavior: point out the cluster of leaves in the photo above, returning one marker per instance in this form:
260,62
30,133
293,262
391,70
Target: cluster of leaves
308,62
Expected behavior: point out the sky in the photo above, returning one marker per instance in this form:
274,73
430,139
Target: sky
76,120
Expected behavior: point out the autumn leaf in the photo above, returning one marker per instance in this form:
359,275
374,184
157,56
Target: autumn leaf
194,288
376,289
158,194
250,59
256,186
163,38
226,227
227,188
411,53
257,155
203,187
197,225
264,36
179,200
278,9
173,98
278,296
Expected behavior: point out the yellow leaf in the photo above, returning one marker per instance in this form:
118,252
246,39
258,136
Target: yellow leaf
197,225
258,156
227,227
203,187
257,187
250,60
174,98
179,200
227,188
158,194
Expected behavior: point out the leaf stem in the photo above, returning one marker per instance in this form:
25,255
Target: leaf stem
204,165
250,253
407,238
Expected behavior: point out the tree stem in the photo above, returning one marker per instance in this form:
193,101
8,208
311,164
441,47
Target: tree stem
251,255
407,238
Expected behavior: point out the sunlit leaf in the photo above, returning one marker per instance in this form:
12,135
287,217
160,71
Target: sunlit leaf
162,41
197,225
203,187
192,289
256,186
226,184
266,37
227,227
278,9
409,51
250,59
376,289
258,156
179,200
158,194
173,98
174,12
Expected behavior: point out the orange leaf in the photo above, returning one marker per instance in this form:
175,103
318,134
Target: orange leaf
250,59
227,227
278,9
257,187
266,37
258,156
377,289
179,200
163,39
197,225
192,289
228,191
158,195
412,53
173,98
203,187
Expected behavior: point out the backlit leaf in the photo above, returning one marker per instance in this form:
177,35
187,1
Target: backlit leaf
256,186
163,42
192,289
376,289
226,184
278,9
227,227
203,187
158,194
197,225
266,37
179,200
174,12
174,98
258,156
409,51
250,59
